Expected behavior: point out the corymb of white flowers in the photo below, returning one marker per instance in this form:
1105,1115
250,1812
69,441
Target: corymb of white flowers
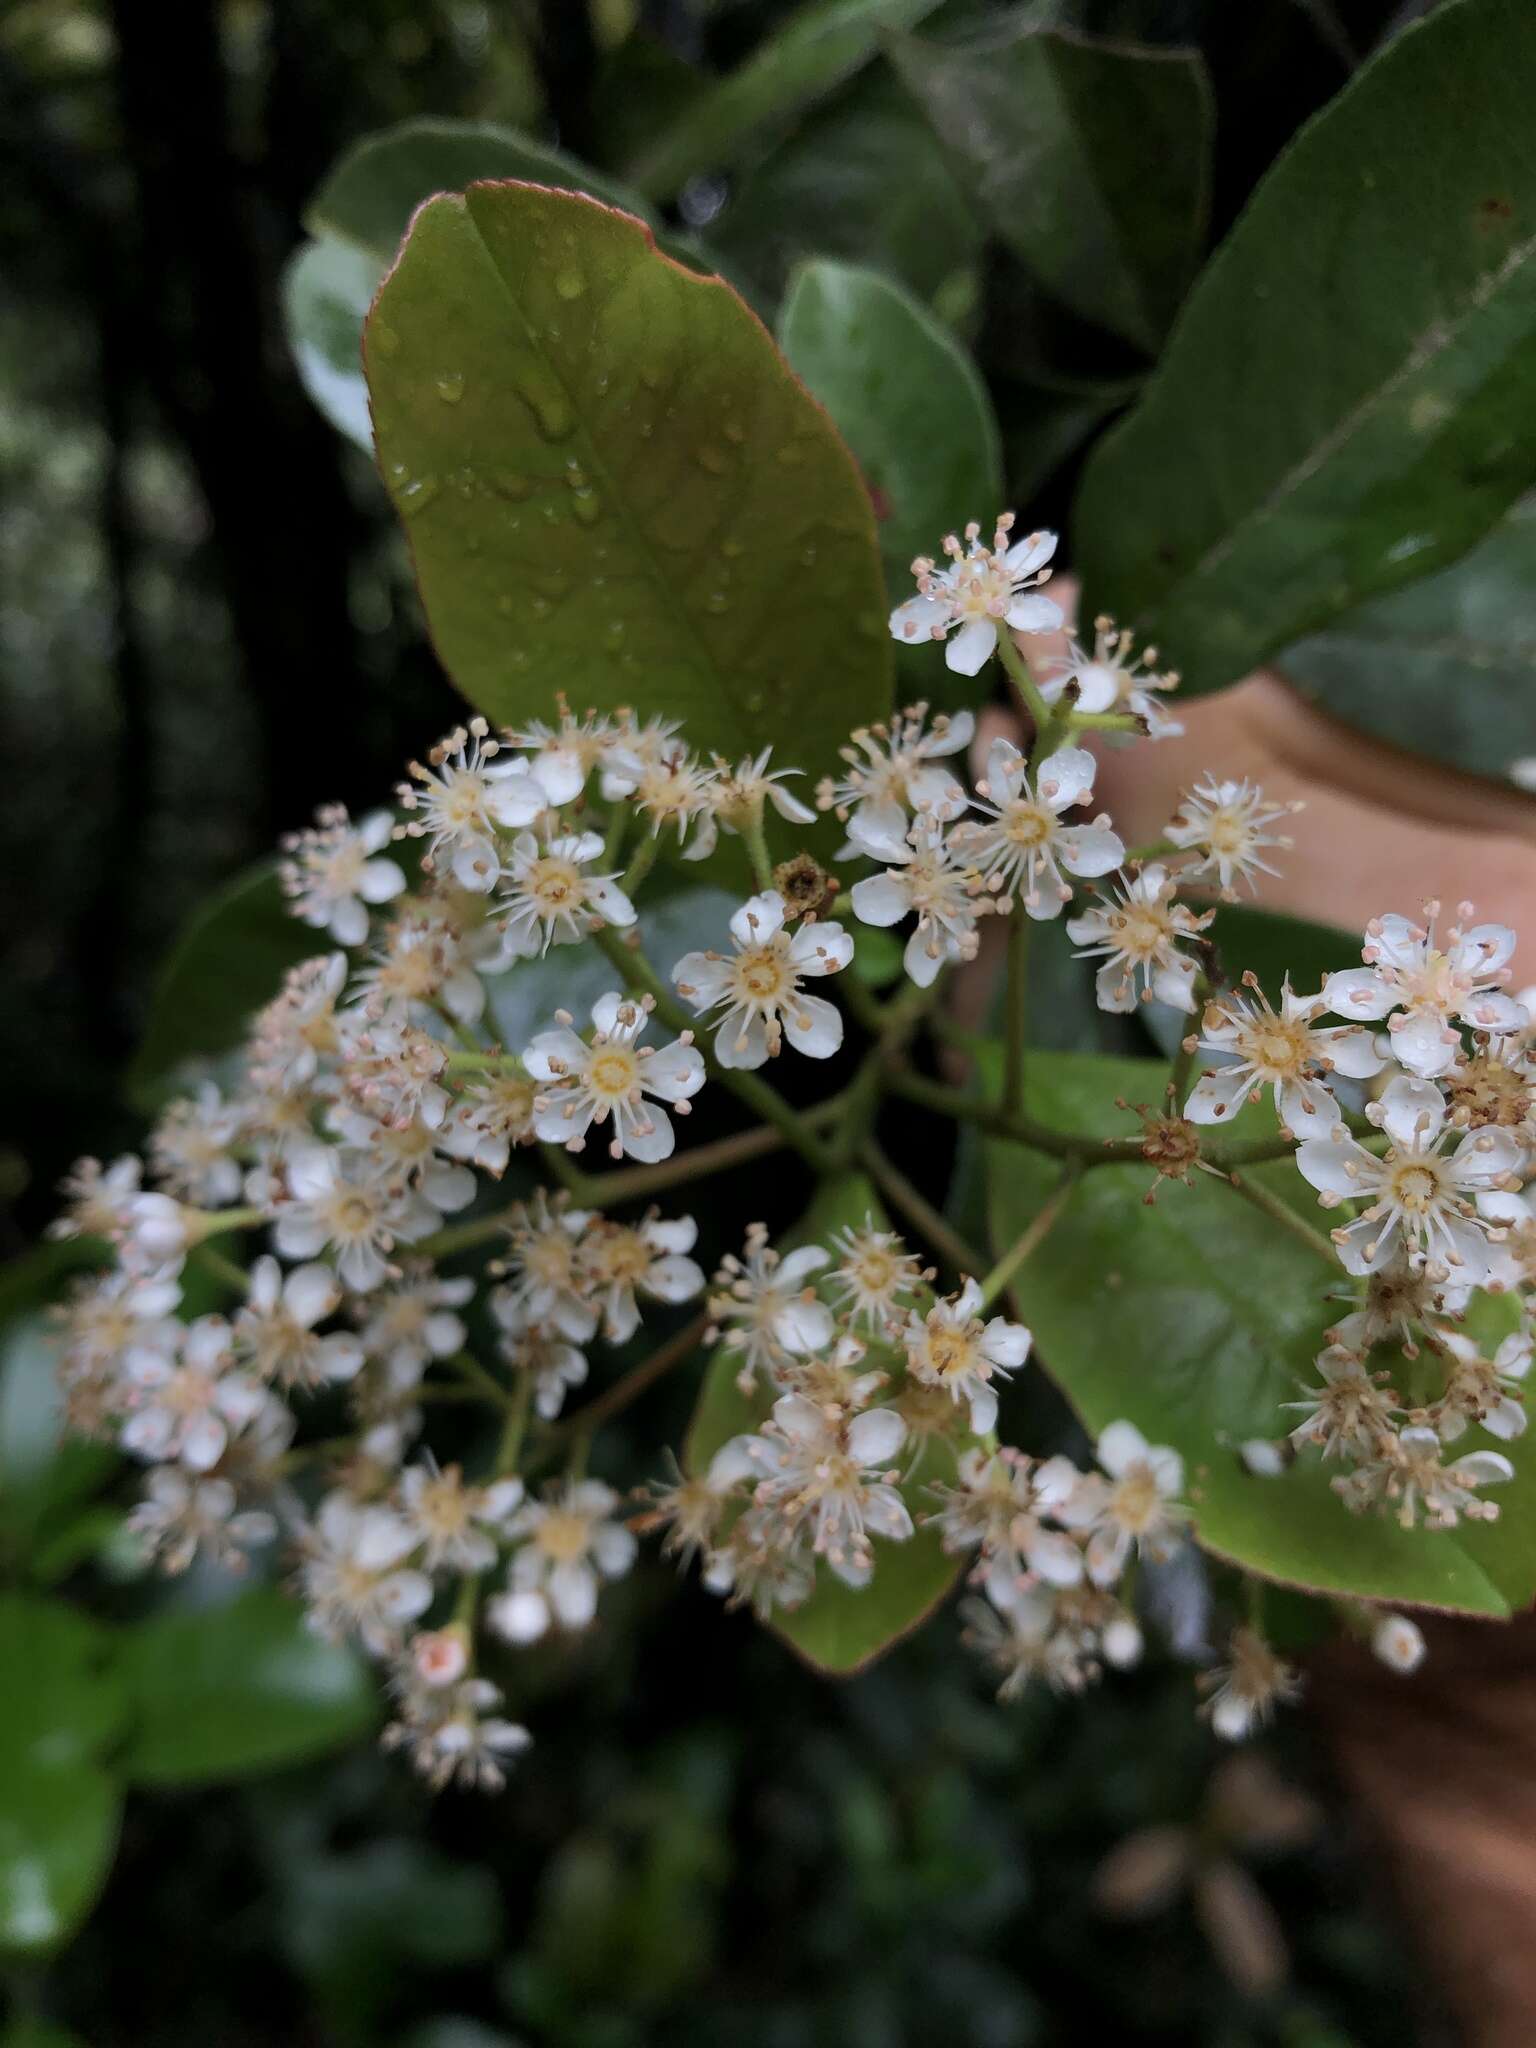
357,1147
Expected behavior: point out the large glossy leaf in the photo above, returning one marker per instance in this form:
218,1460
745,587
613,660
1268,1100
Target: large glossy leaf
61,1704
614,486
1447,666
227,963
358,219
825,42
865,179
1347,402
905,397
1092,160
1196,1318
43,1473
228,1692
838,1630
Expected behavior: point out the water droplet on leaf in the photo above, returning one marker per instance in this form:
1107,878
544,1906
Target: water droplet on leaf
450,387
570,284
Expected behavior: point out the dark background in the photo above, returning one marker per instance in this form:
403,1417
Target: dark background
205,628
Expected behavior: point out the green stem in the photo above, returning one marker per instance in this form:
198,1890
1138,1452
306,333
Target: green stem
1184,1059
1283,1214
1016,1007
952,1248
1155,849
640,866
1103,721
1039,1228
1022,678
763,1101
219,1268
219,1223
757,849
462,1061
474,1374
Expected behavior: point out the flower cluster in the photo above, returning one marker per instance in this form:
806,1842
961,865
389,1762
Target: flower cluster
362,1270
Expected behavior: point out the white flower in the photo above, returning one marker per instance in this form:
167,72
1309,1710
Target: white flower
192,1148
355,1577
1226,824
448,1727
1422,992
299,1028
981,589
1350,1412
1024,846
951,1347
1245,1692
825,1475
551,1362
186,1410
181,1515
1139,1510
275,1331
335,872
548,898
1003,1506
613,1080
415,1321
1282,1050
98,1199
621,1260
495,1112
1137,934
429,961
152,1233
451,1521
564,755
874,1275
1026,1641
1406,1473
338,1203
1110,679
758,986
768,1312
566,1542
891,770
1399,1643
736,801
1484,1390
662,780
926,879
463,797
544,1274
1420,1197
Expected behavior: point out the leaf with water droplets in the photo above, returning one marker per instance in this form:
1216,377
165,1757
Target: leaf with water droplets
657,437
1347,401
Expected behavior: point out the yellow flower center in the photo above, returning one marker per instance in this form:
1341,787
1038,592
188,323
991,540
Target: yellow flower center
563,1535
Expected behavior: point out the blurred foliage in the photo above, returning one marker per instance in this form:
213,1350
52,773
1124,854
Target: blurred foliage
208,625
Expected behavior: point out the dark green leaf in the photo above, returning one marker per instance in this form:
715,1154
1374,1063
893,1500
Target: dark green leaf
227,1692
837,1629
1446,667
1092,160
61,1703
865,179
38,2034
1271,945
228,962
327,290
58,1833
907,400
42,1473
1347,403
1197,1318
614,484
826,42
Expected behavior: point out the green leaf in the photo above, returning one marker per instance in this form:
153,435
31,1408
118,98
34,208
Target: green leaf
826,42
1446,667
864,179
228,963
613,483
1271,945
60,1706
38,2034
1092,160
1347,402
229,1692
905,398
58,1834
838,1630
358,219
1196,1319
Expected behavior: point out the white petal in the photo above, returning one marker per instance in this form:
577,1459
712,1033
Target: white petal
1359,992
876,1436
1032,613
969,650
1121,1446
1090,849
1006,1344
821,949
674,1278
1424,1043
674,1072
380,880
881,899
814,1026
916,619
758,918
610,902
1412,1110
572,1591
1066,778
1030,553
1216,1097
